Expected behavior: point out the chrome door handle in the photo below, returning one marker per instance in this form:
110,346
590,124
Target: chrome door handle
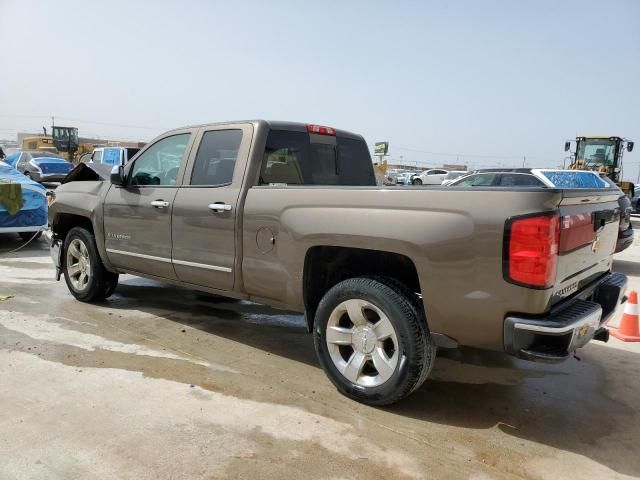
220,207
159,204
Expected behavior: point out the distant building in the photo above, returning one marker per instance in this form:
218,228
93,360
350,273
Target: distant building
93,141
409,168
454,167
420,168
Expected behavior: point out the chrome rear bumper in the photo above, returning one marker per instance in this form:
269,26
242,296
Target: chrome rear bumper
555,336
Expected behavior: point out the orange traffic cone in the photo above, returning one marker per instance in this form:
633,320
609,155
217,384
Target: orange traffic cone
629,328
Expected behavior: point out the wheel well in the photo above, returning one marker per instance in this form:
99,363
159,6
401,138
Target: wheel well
326,266
66,221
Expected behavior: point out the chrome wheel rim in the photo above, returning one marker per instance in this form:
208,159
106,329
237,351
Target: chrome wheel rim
78,264
362,343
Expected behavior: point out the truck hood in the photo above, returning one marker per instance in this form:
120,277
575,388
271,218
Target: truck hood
89,172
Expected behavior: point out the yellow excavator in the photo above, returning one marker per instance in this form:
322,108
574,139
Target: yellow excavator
603,155
63,140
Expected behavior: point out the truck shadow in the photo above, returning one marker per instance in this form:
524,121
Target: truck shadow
580,406
278,332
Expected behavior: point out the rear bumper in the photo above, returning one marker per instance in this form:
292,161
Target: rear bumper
555,336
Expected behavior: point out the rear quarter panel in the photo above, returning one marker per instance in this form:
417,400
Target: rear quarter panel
454,238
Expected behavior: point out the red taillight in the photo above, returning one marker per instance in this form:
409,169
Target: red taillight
321,130
533,250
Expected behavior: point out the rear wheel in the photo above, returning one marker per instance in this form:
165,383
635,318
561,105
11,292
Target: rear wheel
86,276
372,340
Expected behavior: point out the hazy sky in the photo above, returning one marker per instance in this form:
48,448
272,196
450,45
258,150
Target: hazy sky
486,81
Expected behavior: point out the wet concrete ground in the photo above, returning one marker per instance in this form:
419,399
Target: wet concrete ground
162,383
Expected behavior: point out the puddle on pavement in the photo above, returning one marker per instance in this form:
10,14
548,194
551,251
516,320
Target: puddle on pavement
49,329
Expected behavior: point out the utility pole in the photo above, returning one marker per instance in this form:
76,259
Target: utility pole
524,161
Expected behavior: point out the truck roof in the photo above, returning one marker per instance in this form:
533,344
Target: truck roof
276,125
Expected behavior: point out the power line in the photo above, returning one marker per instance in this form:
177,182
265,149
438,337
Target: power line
87,121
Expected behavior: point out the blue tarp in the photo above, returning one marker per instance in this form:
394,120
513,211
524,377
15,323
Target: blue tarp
111,156
34,209
575,179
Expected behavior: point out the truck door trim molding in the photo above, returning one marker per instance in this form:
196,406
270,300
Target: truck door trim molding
202,265
139,255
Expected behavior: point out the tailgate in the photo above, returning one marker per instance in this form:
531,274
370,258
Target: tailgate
589,225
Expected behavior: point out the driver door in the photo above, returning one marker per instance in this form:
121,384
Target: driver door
137,216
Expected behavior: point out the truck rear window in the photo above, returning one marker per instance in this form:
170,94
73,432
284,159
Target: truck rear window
300,158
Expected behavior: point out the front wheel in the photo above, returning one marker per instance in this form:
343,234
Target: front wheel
372,340
86,276
417,181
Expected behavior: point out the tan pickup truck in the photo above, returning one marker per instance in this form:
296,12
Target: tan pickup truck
289,215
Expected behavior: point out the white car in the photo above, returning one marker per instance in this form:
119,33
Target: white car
434,176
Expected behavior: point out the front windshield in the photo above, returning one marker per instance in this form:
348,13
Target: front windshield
597,152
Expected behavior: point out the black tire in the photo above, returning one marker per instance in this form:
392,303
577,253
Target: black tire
101,282
26,236
416,350
417,181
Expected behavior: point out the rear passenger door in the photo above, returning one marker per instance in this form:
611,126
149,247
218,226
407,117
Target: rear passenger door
205,209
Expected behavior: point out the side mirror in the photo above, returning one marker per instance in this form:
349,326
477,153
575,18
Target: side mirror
567,146
629,146
117,175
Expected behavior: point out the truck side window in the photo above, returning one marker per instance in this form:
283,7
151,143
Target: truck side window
298,158
159,164
216,157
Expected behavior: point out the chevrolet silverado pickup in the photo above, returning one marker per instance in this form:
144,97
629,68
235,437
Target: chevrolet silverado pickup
289,215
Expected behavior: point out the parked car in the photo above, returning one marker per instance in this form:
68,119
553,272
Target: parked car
43,166
451,176
12,158
549,178
113,155
289,215
28,215
434,176
404,178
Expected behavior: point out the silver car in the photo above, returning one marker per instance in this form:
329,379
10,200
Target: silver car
43,166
